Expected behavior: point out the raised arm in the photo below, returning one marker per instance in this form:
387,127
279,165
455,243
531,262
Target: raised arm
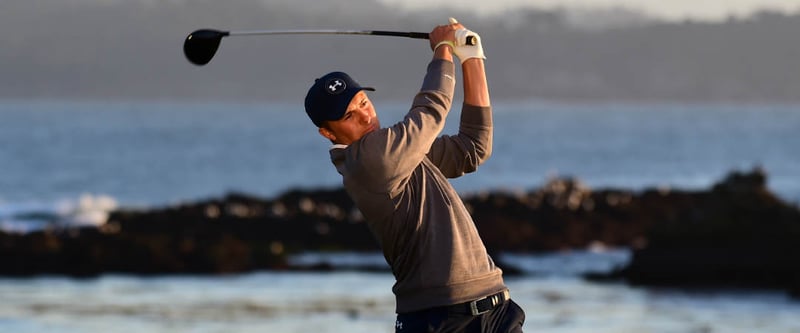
447,40
476,89
386,157
463,153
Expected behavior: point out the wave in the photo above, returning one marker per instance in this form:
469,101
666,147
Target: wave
88,210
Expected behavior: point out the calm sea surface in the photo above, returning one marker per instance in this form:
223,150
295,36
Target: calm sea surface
160,153
55,156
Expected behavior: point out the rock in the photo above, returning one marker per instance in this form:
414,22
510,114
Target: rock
736,233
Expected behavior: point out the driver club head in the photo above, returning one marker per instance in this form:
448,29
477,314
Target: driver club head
201,45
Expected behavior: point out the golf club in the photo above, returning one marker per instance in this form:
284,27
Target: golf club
201,45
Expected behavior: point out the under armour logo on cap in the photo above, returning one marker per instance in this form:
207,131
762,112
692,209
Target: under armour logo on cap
335,86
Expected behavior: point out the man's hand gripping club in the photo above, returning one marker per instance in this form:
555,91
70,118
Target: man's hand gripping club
464,43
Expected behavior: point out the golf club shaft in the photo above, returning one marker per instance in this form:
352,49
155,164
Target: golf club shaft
418,35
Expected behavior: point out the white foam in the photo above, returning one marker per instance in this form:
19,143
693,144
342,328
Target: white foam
88,210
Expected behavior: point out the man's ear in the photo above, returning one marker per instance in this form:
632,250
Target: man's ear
327,133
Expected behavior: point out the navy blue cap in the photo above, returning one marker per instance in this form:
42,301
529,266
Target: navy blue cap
329,97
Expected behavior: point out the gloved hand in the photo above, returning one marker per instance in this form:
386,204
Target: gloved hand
462,49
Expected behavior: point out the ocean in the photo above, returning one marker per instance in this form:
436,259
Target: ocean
356,302
60,158
159,153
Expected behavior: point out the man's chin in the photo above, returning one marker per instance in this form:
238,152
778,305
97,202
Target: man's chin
372,129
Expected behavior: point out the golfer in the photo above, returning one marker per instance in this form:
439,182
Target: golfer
397,176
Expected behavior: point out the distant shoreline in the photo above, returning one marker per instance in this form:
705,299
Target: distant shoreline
543,54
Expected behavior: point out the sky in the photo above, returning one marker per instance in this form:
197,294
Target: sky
665,9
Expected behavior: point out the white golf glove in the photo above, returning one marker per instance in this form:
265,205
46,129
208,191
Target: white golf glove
464,51
462,47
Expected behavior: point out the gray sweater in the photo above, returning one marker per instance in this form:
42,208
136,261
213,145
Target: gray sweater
397,178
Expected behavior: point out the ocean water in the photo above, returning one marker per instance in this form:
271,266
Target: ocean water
362,302
59,157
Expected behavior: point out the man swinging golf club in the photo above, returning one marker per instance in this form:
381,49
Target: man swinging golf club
397,176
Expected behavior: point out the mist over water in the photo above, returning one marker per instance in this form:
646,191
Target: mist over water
124,50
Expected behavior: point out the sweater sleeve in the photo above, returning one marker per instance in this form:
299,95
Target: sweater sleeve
387,157
462,153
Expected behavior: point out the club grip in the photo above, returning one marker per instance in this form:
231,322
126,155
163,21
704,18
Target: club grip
472,40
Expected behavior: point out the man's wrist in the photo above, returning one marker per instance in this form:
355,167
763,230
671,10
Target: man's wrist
444,50
445,43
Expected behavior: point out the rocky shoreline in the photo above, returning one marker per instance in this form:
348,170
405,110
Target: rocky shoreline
735,234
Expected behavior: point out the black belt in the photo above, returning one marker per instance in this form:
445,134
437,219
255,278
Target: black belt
481,305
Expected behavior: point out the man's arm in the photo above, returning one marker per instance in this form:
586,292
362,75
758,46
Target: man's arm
386,158
476,89
463,153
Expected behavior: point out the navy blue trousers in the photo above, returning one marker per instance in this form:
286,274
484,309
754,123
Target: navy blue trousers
504,318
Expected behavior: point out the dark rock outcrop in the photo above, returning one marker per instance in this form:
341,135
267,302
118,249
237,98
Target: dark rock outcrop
735,234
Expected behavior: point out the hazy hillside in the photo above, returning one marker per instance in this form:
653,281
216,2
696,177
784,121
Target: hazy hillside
132,49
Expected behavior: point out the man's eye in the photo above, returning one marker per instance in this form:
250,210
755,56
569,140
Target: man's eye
364,103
